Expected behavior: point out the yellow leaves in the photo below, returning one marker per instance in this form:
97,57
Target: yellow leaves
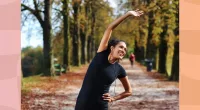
155,40
76,1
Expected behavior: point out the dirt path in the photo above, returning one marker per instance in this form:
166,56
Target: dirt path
151,91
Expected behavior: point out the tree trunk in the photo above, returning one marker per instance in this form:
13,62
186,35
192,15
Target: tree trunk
150,48
143,33
92,32
75,38
142,53
156,64
136,51
86,50
175,64
163,52
83,37
47,35
89,52
91,41
66,34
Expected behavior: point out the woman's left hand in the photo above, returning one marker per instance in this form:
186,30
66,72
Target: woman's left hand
107,97
136,12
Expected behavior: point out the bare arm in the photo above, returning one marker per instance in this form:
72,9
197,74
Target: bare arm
127,88
104,41
126,93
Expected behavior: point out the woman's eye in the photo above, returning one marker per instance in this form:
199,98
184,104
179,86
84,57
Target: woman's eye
125,49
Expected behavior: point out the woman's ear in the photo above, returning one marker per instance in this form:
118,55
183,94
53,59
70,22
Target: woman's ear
111,48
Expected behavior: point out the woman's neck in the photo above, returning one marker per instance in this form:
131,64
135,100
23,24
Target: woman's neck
111,59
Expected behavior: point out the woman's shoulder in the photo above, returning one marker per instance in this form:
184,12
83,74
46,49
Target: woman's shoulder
102,52
121,71
120,66
100,56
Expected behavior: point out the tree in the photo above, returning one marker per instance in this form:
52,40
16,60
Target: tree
47,30
90,41
175,64
154,31
84,30
98,16
168,37
143,33
32,61
76,33
65,13
62,15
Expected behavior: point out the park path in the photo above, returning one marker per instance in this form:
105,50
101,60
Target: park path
151,91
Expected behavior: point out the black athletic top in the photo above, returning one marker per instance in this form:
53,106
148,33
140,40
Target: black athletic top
98,79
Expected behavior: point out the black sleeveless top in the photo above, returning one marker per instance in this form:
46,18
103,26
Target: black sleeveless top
98,79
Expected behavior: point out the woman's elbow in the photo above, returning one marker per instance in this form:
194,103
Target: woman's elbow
129,93
110,27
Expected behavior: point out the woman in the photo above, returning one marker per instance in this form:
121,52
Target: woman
103,70
132,58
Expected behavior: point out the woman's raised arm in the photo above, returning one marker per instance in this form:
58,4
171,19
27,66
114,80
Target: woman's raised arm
104,41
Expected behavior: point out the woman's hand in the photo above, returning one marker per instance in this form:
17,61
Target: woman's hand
107,97
136,12
104,41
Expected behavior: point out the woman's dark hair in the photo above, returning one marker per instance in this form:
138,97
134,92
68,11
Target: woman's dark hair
113,43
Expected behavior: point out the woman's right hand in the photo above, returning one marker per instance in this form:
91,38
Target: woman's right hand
107,97
136,12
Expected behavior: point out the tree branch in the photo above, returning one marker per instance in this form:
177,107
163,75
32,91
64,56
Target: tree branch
58,10
35,5
26,8
25,18
36,13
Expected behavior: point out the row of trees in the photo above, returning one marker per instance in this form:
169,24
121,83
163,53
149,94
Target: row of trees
82,24
79,22
157,35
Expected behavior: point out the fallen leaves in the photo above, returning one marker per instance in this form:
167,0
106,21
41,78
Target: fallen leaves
151,91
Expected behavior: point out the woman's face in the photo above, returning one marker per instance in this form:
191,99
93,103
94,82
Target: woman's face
119,51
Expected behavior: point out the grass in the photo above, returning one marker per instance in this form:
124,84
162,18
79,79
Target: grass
29,82
39,81
34,81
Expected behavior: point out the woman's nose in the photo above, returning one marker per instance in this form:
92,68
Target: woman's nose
124,50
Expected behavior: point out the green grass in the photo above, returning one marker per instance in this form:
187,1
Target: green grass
29,82
39,81
31,79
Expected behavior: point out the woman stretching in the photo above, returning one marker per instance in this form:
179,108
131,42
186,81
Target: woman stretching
103,71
